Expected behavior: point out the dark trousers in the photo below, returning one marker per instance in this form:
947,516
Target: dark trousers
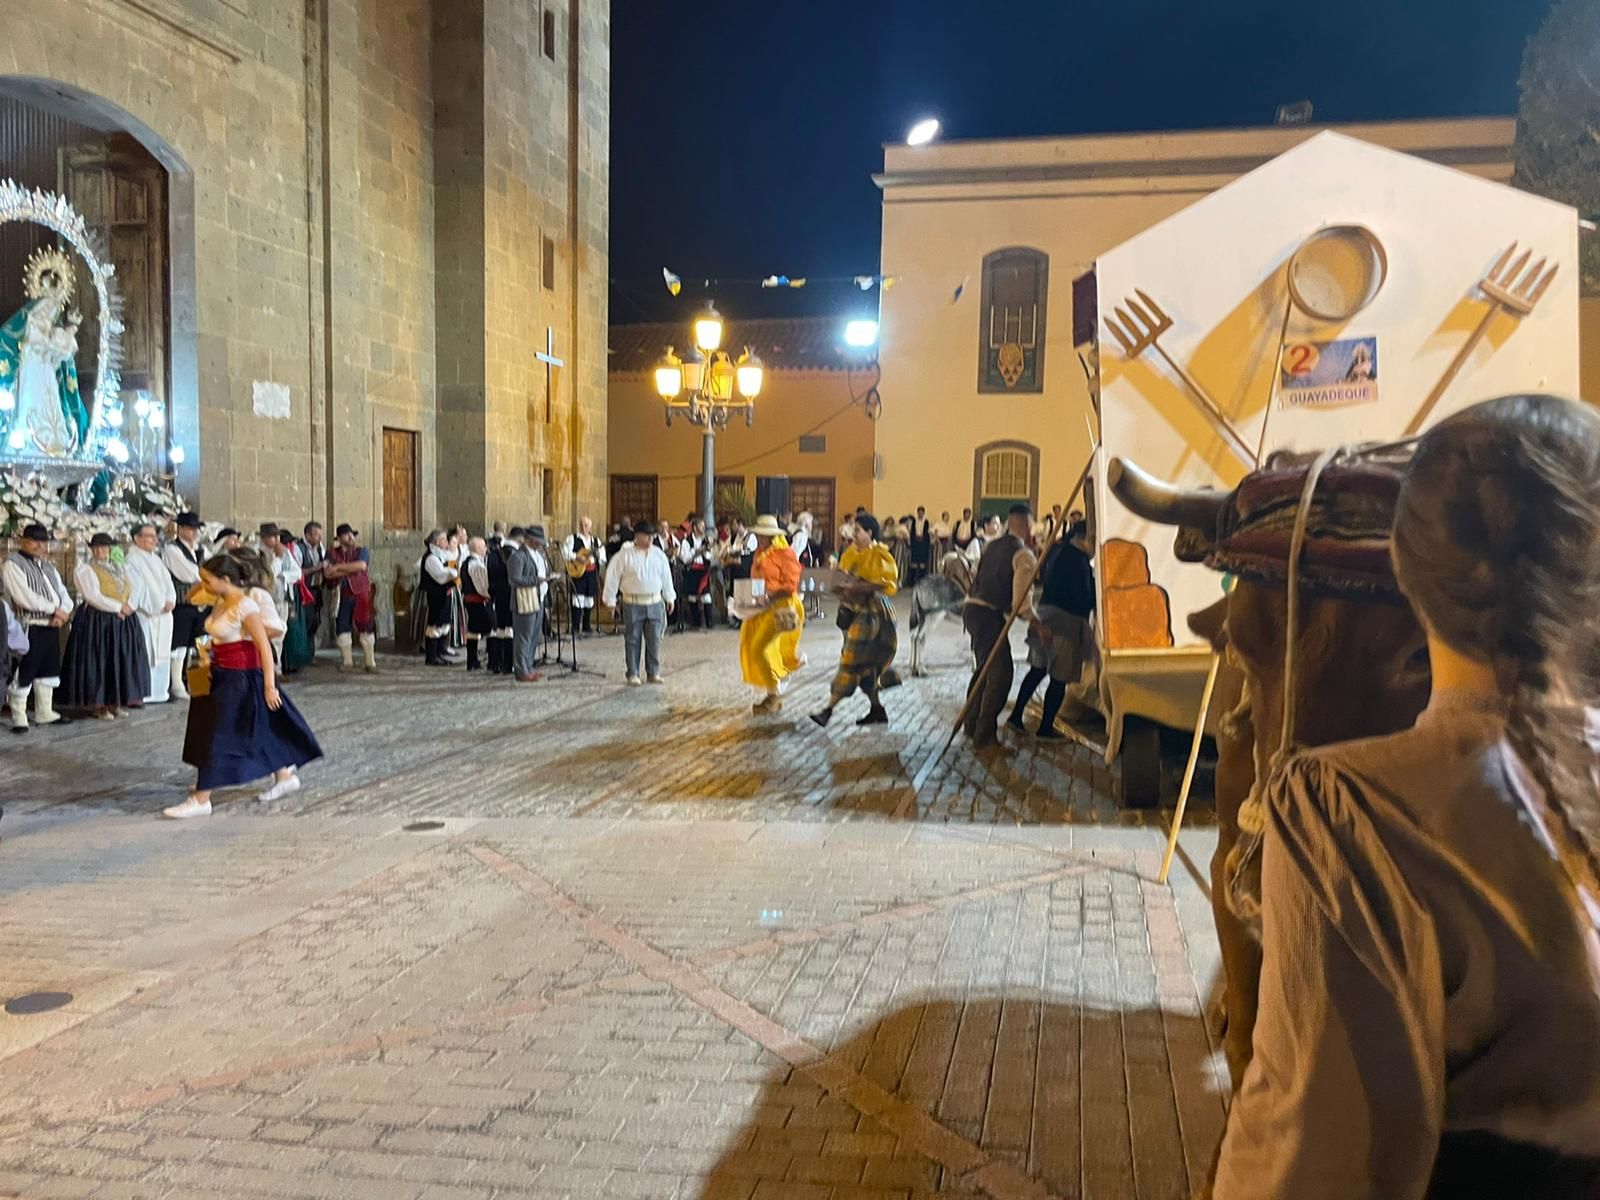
984,626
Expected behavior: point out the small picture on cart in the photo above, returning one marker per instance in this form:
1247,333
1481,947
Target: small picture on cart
1330,374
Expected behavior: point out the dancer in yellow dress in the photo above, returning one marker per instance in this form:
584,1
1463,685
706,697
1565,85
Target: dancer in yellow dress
769,643
867,616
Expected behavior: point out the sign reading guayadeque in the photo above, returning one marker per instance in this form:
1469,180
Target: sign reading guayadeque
1330,374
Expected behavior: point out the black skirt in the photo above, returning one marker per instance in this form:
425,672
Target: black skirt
234,738
188,625
42,662
105,665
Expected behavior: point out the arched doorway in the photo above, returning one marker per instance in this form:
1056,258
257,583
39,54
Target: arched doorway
1003,473
135,192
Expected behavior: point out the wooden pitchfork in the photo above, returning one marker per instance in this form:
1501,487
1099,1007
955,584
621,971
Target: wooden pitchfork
1139,328
1509,288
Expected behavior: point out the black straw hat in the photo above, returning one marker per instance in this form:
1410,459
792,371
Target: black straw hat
35,533
189,520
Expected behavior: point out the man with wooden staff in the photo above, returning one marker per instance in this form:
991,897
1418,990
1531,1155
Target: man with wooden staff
1002,585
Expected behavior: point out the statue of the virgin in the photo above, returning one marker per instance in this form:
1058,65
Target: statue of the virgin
38,365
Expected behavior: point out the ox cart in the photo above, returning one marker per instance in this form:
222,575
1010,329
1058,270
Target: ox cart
1341,294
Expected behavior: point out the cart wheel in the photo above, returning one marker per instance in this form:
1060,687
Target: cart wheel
1141,763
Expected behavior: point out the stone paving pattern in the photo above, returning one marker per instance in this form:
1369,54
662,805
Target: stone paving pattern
656,949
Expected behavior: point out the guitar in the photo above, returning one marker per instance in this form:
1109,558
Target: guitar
581,563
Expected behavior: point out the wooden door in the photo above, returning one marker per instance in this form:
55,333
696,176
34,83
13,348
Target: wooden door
400,490
122,193
633,497
815,496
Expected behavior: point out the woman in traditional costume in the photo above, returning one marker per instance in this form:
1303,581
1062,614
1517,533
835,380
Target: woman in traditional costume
244,728
106,669
1430,990
870,641
769,643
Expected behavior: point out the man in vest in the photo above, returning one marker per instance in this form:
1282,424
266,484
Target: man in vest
1001,586
39,598
528,573
182,557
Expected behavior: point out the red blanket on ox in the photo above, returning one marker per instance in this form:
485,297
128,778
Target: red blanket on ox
1347,534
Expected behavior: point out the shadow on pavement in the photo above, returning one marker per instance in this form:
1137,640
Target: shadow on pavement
1088,1102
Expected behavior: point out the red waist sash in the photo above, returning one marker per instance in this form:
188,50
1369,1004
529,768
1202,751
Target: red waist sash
235,656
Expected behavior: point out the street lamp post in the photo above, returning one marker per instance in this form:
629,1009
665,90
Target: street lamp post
701,386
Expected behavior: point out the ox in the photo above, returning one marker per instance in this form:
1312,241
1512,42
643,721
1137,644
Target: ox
1361,658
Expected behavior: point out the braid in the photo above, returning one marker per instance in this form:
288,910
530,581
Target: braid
1497,542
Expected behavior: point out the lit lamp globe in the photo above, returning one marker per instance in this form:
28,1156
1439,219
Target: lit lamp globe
176,456
669,376
751,374
708,330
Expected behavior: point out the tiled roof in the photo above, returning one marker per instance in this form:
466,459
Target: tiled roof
784,343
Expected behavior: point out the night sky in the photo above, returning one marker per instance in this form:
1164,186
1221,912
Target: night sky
745,132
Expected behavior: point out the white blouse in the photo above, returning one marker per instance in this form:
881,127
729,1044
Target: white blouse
89,588
227,625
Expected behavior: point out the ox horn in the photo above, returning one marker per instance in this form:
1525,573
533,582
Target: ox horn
1156,500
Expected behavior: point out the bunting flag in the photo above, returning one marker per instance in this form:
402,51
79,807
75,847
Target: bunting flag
865,283
960,290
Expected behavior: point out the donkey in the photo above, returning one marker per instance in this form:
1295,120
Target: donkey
1361,666
936,597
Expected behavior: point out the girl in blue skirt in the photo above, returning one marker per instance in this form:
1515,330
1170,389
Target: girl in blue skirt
246,728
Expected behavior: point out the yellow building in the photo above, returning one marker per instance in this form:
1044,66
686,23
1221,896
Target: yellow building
810,427
985,399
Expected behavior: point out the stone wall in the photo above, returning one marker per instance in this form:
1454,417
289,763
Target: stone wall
360,191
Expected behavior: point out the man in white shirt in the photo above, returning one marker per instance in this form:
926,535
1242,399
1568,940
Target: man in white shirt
154,599
438,575
584,555
695,553
285,574
182,558
642,576
40,600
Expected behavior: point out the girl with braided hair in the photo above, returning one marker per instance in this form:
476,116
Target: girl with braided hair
1430,992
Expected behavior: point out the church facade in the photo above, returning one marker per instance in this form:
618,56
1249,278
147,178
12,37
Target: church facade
361,245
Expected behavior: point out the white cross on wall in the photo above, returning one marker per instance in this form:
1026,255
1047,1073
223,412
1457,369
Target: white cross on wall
548,357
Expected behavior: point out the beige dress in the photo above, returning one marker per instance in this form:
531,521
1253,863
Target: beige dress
1430,996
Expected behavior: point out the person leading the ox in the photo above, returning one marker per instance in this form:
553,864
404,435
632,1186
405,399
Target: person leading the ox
1002,585
41,602
1061,644
182,557
104,669
245,728
870,642
1430,992
585,556
349,569
155,598
769,643
641,575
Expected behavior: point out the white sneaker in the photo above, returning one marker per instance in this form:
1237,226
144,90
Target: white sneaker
656,679
284,787
189,808
634,681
